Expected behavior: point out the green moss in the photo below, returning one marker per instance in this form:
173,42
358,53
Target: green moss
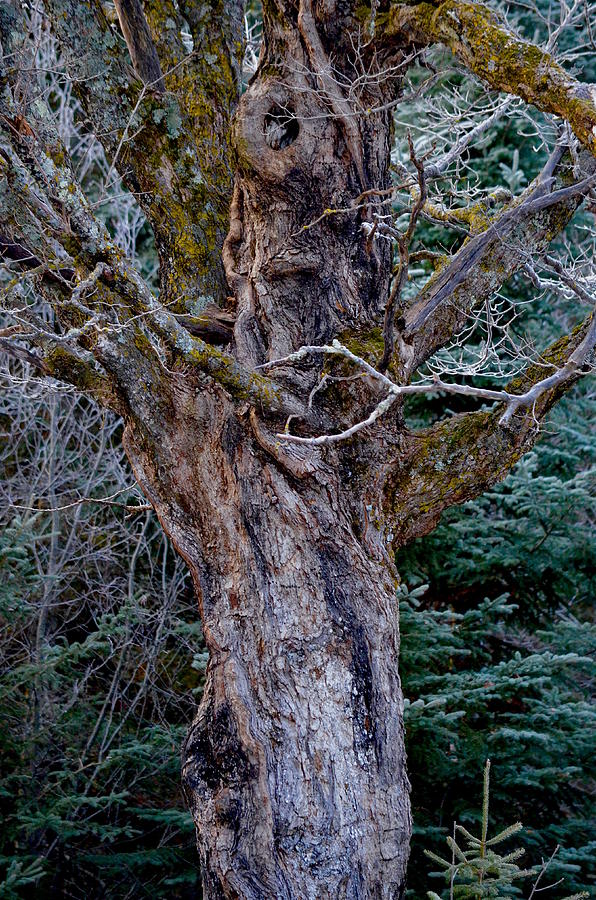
241,385
508,63
66,367
367,344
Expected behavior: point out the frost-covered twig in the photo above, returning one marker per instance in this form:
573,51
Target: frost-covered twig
513,401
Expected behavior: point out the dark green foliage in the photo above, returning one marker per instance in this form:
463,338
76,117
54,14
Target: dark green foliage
100,664
498,649
480,868
511,676
531,535
102,659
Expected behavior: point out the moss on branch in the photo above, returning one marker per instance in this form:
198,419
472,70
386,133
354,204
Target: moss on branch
66,366
458,459
173,149
488,259
506,62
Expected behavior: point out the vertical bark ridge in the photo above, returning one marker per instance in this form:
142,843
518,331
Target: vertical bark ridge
306,154
140,44
294,767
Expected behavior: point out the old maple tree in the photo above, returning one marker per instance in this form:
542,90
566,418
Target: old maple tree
263,388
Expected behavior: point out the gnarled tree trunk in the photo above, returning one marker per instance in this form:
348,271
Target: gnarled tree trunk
294,768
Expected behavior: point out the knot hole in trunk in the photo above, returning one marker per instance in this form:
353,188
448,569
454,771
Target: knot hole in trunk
281,127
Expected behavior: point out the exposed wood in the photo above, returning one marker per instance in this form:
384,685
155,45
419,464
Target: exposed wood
214,325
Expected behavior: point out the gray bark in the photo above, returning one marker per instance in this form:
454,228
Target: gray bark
294,768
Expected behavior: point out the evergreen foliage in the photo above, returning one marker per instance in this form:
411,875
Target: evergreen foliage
101,659
481,870
100,664
497,659
498,648
498,634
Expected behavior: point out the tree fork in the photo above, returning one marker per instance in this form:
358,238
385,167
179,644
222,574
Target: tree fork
295,766
294,769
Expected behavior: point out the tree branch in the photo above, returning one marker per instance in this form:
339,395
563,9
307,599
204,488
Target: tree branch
489,259
172,149
140,43
514,401
403,245
458,459
506,62
102,264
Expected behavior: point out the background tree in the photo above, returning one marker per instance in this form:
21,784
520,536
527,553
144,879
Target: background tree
295,765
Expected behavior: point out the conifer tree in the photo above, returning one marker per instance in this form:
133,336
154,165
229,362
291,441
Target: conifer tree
481,870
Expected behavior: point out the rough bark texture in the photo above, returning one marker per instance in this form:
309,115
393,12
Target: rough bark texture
294,768
300,152
140,44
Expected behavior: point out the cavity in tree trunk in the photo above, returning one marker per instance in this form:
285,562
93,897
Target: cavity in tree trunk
263,391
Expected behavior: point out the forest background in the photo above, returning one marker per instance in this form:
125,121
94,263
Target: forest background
101,654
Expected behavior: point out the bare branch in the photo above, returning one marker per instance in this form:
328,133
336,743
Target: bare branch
403,245
140,44
114,272
490,258
440,166
568,372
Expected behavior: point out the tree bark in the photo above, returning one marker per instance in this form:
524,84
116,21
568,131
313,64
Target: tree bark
294,768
